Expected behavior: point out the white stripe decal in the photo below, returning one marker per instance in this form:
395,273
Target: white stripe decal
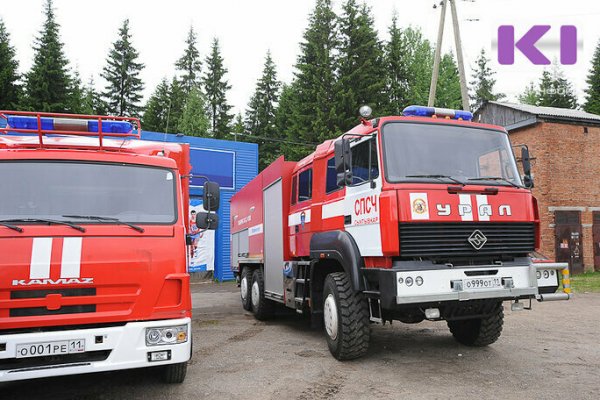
40,258
483,207
334,209
296,218
465,208
71,258
255,230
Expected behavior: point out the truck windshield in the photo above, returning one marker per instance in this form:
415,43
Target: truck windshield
54,190
437,152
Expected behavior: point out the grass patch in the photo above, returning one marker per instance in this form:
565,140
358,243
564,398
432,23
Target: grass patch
588,282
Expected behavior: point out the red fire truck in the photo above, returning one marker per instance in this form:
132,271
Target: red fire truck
93,234
423,216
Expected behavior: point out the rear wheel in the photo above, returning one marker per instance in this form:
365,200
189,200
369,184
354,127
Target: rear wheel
346,318
245,288
175,373
479,332
261,307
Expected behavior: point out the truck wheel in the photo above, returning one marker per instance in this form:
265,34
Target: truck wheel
175,373
245,288
262,308
479,332
346,318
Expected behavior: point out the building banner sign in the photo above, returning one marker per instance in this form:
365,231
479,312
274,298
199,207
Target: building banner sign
202,251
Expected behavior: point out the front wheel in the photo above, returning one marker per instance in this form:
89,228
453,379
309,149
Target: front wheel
245,288
346,318
479,332
175,373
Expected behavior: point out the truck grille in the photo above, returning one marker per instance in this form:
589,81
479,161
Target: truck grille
451,240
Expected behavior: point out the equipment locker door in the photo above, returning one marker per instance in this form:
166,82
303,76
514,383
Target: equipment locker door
273,237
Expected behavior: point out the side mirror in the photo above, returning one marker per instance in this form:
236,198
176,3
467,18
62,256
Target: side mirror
212,196
207,220
526,161
343,162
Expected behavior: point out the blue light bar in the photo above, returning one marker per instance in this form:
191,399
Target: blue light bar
422,111
69,124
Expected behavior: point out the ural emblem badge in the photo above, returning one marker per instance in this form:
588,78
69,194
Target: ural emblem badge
477,239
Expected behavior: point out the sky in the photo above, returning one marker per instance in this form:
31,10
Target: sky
246,29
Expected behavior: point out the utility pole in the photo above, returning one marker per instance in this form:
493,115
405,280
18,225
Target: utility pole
438,55
459,57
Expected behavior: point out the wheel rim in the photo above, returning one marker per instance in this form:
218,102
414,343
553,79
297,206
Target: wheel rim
330,315
255,294
244,288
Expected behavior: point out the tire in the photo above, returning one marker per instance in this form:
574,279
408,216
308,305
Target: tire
479,332
175,373
245,288
262,308
346,318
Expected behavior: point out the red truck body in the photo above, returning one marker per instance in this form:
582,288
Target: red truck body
94,295
402,240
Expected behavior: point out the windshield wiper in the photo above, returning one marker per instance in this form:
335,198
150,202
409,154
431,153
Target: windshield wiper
107,219
13,227
48,221
495,178
438,177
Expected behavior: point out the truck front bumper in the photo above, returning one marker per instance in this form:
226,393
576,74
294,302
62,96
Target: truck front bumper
106,349
411,287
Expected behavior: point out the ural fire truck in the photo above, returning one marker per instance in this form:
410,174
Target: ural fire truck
93,234
423,216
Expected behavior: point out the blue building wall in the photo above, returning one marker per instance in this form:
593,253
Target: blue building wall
232,165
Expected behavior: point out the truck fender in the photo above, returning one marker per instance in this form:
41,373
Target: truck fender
339,246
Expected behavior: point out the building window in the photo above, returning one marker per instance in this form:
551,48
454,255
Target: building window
364,162
305,185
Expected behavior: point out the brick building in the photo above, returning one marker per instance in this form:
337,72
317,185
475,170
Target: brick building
565,147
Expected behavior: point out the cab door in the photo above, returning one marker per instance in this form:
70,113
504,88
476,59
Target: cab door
299,219
361,204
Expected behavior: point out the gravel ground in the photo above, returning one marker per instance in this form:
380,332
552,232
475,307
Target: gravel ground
550,352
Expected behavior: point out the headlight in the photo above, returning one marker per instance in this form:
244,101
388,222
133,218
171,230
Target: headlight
546,274
409,281
166,335
539,274
419,280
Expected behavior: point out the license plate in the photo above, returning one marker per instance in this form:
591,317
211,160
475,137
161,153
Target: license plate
482,283
50,348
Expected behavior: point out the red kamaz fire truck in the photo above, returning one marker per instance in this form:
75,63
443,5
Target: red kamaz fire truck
423,216
93,234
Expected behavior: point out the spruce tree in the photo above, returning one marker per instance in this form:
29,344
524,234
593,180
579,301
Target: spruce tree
530,95
48,84
190,64
157,108
194,120
238,126
361,74
482,85
10,90
555,90
312,114
123,92
76,97
260,115
592,98
396,69
448,93
215,89
177,99
420,65
92,101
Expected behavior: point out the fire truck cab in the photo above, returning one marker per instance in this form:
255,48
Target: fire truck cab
93,235
421,216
